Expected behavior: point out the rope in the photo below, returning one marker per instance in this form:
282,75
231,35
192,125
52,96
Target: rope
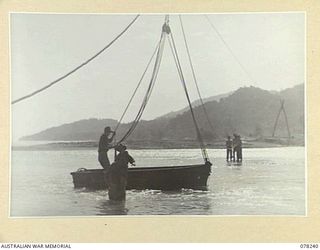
177,62
149,90
194,75
137,87
230,50
76,68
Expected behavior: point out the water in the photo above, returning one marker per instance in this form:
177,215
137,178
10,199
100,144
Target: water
271,181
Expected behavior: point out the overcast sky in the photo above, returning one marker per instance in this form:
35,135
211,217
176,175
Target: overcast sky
271,47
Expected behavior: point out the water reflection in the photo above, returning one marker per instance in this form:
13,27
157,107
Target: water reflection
108,207
234,164
189,201
269,182
157,202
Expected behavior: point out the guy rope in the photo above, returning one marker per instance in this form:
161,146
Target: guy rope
157,54
166,31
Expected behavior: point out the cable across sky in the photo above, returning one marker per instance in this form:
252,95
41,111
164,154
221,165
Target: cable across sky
78,67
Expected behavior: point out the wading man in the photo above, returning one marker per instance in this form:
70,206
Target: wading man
229,149
118,174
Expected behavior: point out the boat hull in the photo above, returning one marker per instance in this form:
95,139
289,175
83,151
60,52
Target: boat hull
156,178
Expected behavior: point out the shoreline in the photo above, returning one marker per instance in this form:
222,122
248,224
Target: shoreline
140,145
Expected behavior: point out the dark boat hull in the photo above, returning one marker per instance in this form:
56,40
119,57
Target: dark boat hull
157,178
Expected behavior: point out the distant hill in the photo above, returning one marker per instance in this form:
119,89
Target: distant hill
249,111
83,130
195,104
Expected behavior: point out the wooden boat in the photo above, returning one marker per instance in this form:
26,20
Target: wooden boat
156,178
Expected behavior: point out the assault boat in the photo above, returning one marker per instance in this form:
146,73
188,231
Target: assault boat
155,178
159,178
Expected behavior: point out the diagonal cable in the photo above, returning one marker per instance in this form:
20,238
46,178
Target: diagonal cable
156,67
230,50
76,68
194,75
179,68
136,89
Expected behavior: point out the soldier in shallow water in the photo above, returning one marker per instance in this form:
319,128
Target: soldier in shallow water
237,148
234,146
117,177
239,151
104,145
229,149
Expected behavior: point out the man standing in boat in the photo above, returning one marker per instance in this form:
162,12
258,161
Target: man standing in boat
104,145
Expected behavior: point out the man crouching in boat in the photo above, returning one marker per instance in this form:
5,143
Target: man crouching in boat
104,145
117,178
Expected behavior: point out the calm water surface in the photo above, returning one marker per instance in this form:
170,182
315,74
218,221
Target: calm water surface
271,181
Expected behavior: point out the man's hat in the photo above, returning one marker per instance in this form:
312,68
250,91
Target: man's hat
107,130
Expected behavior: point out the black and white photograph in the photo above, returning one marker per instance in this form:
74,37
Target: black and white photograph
158,114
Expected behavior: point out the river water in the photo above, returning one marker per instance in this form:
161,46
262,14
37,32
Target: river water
270,181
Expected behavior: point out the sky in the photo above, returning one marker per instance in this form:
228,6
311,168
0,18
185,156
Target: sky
270,46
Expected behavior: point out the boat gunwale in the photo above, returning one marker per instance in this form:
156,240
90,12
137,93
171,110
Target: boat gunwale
138,169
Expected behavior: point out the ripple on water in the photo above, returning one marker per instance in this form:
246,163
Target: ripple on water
269,181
